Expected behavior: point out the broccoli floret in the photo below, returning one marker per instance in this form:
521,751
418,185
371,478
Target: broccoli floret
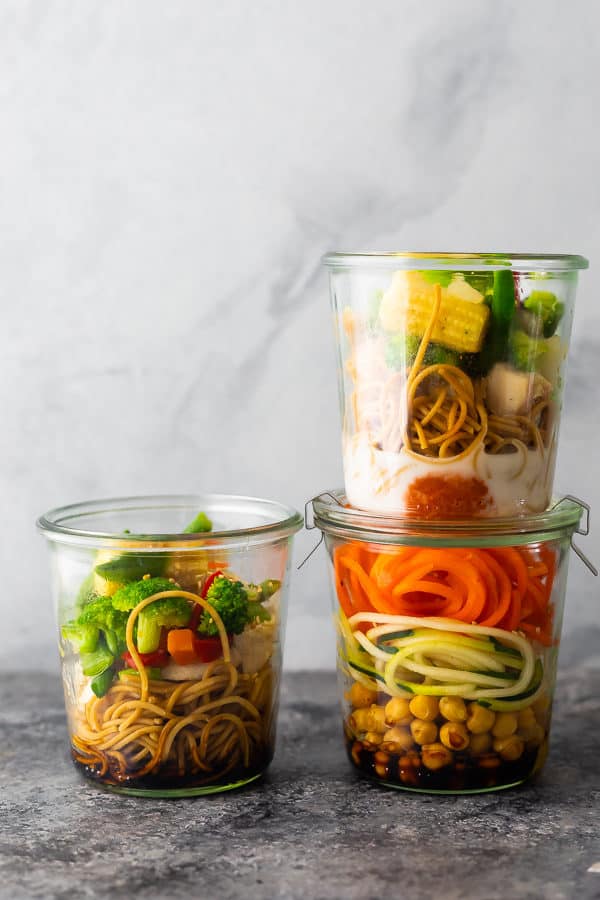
548,308
102,615
401,350
86,593
128,596
230,600
168,612
525,352
257,611
200,524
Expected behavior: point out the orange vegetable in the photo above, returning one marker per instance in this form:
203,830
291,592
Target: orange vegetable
180,644
502,587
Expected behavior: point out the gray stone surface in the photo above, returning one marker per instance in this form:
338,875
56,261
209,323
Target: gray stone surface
310,828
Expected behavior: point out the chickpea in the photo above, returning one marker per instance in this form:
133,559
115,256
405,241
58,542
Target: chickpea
540,708
372,737
371,719
489,761
510,747
423,732
397,711
401,737
435,756
382,757
361,697
480,743
376,720
505,725
359,720
454,735
426,708
534,737
356,751
453,709
480,719
526,718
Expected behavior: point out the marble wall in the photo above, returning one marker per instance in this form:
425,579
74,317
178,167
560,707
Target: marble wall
170,174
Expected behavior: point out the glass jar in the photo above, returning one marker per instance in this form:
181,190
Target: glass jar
447,643
171,613
451,376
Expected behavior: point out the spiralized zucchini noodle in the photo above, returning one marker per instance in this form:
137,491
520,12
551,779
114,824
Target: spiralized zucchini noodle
205,727
410,655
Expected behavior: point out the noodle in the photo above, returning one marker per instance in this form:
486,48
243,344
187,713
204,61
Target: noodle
203,728
438,412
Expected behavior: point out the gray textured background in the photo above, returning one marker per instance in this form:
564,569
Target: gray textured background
170,175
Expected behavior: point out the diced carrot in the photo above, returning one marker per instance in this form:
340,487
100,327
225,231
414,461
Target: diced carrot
180,644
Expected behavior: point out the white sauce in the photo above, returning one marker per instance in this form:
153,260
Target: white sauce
379,480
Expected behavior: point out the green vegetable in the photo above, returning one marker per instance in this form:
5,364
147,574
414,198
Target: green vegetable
431,276
101,614
168,612
257,611
132,567
101,683
128,596
199,525
86,592
503,298
548,308
84,638
262,592
525,352
503,304
98,661
373,311
401,351
230,600
151,671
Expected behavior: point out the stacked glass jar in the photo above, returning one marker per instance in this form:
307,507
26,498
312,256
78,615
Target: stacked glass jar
448,553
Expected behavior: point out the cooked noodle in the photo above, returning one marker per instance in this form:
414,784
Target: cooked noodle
438,411
203,728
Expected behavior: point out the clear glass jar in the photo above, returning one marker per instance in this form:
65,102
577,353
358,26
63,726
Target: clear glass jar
171,613
451,375
447,643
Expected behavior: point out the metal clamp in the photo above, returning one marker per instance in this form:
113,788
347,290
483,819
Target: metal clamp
312,525
583,530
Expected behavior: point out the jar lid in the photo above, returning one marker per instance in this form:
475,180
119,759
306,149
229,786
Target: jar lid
334,516
405,259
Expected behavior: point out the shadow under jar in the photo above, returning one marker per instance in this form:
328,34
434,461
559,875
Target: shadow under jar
171,613
451,376
447,643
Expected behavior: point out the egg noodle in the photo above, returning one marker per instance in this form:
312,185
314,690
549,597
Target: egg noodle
204,728
442,409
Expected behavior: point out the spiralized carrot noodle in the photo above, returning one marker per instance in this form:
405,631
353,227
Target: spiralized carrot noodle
502,587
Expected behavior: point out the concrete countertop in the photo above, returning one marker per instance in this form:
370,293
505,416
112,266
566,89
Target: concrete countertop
311,828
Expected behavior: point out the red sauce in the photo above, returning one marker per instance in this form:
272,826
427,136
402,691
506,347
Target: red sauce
452,496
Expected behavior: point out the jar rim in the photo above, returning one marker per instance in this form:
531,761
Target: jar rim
333,515
477,260
281,521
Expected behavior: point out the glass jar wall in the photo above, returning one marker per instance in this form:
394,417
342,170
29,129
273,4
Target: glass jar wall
447,643
171,613
451,376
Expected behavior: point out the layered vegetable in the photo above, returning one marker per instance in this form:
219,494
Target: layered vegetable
448,654
444,375
193,668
